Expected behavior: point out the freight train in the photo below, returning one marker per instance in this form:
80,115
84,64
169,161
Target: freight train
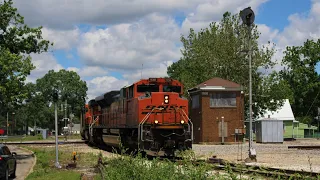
150,116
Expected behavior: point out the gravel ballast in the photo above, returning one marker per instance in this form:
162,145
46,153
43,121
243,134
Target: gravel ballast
269,155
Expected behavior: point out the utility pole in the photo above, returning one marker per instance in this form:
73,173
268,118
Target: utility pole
222,129
71,124
318,120
13,124
65,113
7,123
55,99
247,16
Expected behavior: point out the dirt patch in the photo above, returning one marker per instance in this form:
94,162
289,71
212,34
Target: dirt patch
270,155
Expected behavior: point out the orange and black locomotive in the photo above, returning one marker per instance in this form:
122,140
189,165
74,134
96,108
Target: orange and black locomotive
150,116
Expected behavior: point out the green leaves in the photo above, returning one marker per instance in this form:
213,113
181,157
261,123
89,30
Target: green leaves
14,70
16,36
38,106
221,51
17,40
69,85
301,75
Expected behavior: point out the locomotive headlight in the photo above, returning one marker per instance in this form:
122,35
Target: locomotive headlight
166,99
182,121
156,121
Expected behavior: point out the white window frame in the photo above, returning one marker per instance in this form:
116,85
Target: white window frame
195,101
220,99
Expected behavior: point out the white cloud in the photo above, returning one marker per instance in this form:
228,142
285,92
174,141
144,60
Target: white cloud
65,14
150,41
62,39
267,34
43,63
100,85
211,11
73,69
301,27
89,71
159,71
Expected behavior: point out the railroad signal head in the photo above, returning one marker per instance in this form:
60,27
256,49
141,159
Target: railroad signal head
247,16
55,95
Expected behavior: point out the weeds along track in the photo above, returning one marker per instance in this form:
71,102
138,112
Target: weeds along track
222,165
44,142
219,164
305,147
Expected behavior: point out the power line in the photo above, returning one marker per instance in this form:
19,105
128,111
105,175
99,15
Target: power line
313,102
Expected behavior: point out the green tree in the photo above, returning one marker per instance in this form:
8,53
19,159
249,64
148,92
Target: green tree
220,51
34,110
38,107
17,41
69,85
300,72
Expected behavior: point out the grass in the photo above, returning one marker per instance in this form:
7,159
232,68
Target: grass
45,165
130,167
55,174
74,136
125,166
38,137
136,167
23,138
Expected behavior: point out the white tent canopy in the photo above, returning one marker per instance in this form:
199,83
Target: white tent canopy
283,113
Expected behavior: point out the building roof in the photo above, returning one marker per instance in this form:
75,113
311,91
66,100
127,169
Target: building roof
217,83
282,113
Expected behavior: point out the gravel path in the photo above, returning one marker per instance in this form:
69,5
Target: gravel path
25,162
270,155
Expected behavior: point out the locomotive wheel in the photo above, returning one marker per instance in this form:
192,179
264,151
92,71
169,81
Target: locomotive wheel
86,135
98,136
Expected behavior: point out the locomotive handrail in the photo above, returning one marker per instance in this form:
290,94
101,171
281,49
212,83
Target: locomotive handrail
140,129
94,121
189,121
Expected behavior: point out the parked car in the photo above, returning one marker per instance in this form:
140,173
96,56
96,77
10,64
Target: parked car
8,162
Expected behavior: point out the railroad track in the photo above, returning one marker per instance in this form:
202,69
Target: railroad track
220,164
264,171
43,142
304,147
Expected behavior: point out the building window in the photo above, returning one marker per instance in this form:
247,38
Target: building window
223,100
195,101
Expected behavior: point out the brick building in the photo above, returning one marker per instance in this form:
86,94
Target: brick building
217,103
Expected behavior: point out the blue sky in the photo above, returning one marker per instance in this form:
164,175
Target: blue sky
275,13
107,42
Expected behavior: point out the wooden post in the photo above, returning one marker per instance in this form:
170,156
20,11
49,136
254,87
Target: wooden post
222,129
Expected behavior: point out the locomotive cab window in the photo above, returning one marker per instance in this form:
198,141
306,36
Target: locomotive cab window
123,93
148,88
169,88
130,95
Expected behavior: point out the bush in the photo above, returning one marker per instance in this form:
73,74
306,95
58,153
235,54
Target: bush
129,167
39,136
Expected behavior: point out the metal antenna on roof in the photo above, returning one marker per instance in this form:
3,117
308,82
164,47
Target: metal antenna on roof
141,70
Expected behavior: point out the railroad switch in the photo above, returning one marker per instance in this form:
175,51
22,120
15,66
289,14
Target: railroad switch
100,159
74,156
